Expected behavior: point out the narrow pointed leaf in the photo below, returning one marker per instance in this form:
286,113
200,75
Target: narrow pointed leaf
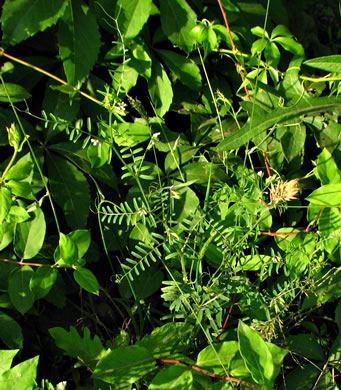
262,120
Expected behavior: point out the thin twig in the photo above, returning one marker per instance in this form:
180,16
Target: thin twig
234,48
216,376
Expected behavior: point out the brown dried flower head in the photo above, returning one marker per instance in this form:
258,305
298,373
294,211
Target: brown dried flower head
283,191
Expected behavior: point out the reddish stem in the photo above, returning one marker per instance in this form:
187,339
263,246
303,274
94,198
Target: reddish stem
217,376
234,48
227,317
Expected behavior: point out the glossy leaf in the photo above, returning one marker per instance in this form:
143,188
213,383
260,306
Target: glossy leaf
292,140
124,365
10,332
68,250
173,377
78,40
177,20
328,63
256,354
5,202
87,280
19,289
42,281
70,190
160,89
184,69
99,154
6,358
327,195
262,121
29,236
21,169
327,169
132,16
22,376
15,92
23,18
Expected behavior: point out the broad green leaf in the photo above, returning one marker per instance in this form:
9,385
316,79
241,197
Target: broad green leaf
145,284
22,376
256,354
68,249
22,189
202,172
124,78
19,289
327,169
6,234
70,190
5,202
29,236
141,60
186,203
15,92
259,32
330,64
262,120
18,214
132,16
327,195
167,339
306,346
10,332
42,281
6,358
87,280
129,133
222,357
184,68
82,238
292,140
21,170
99,154
23,18
177,21
86,349
124,365
78,40
160,88
173,377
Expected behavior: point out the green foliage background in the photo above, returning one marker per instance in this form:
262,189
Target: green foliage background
170,194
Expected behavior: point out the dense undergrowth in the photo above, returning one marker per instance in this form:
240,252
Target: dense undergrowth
170,195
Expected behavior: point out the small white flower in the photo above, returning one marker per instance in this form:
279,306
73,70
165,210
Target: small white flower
260,173
141,211
94,141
